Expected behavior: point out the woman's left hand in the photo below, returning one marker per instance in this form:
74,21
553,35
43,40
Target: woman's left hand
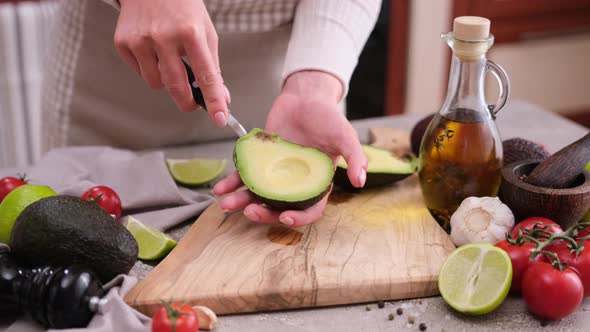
307,113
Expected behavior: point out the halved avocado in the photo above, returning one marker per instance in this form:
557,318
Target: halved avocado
383,168
284,175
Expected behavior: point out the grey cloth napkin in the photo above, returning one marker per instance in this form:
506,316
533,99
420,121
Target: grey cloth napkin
147,191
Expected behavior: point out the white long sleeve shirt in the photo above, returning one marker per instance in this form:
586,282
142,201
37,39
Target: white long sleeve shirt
91,97
328,35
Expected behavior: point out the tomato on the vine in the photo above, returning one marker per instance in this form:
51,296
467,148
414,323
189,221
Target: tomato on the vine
519,256
541,222
583,232
8,184
106,197
579,262
175,317
551,293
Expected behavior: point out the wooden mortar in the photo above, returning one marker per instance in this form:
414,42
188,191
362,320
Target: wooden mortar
565,206
562,168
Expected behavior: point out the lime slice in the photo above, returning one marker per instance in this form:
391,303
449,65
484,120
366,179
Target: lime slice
152,243
475,278
195,172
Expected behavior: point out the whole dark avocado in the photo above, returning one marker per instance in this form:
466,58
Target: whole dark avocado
418,132
66,230
517,149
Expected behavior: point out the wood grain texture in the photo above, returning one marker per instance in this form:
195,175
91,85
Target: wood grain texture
562,168
373,245
564,206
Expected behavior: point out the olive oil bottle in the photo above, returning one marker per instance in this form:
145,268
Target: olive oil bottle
461,151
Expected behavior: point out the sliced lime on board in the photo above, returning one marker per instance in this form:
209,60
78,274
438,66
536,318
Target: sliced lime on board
152,243
195,172
475,278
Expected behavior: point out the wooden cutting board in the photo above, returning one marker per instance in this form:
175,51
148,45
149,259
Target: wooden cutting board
373,245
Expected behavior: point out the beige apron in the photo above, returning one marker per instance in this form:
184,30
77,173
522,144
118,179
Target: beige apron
110,104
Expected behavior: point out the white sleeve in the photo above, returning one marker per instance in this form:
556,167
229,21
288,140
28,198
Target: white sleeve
329,35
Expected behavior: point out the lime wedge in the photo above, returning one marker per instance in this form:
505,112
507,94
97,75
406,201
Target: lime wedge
152,243
475,278
195,172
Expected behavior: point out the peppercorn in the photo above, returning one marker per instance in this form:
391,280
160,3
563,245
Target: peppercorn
381,304
399,311
422,327
411,319
368,308
391,316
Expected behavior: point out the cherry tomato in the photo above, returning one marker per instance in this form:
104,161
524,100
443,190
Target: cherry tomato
580,263
106,197
8,184
519,256
175,318
541,222
550,293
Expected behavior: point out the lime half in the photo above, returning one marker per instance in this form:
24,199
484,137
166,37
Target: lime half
195,172
152,243
475,278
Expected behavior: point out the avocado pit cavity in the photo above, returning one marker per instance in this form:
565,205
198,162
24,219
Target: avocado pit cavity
282,174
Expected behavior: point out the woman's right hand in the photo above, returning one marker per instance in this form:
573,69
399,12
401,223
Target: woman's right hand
152,35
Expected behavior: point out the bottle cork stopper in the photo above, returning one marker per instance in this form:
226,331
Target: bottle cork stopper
471,28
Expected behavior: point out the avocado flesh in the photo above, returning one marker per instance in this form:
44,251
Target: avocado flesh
67,230
383,168
283,175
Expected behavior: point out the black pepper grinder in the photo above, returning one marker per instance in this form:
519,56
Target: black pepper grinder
59,298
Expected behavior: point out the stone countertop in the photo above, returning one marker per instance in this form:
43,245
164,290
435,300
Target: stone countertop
518,119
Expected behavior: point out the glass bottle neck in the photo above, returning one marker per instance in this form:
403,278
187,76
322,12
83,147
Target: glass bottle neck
466,88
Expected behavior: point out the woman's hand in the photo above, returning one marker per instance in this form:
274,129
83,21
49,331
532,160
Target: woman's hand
306,112
152,36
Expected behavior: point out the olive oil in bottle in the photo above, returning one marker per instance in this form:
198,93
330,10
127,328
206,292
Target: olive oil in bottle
461,151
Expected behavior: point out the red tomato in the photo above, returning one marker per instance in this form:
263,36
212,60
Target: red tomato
550,293
580,263
175,318
529,223
106,197
8,184
519,256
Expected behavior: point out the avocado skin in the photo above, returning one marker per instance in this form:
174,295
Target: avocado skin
518,149
299,205
374,180
418,131
67,230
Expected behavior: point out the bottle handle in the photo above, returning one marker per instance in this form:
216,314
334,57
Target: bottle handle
504,84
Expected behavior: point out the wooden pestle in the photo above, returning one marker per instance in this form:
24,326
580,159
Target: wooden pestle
562,168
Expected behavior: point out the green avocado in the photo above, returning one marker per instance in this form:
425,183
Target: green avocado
383,168
66,230
283,175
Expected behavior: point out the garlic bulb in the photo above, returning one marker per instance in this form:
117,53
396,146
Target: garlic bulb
481,219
